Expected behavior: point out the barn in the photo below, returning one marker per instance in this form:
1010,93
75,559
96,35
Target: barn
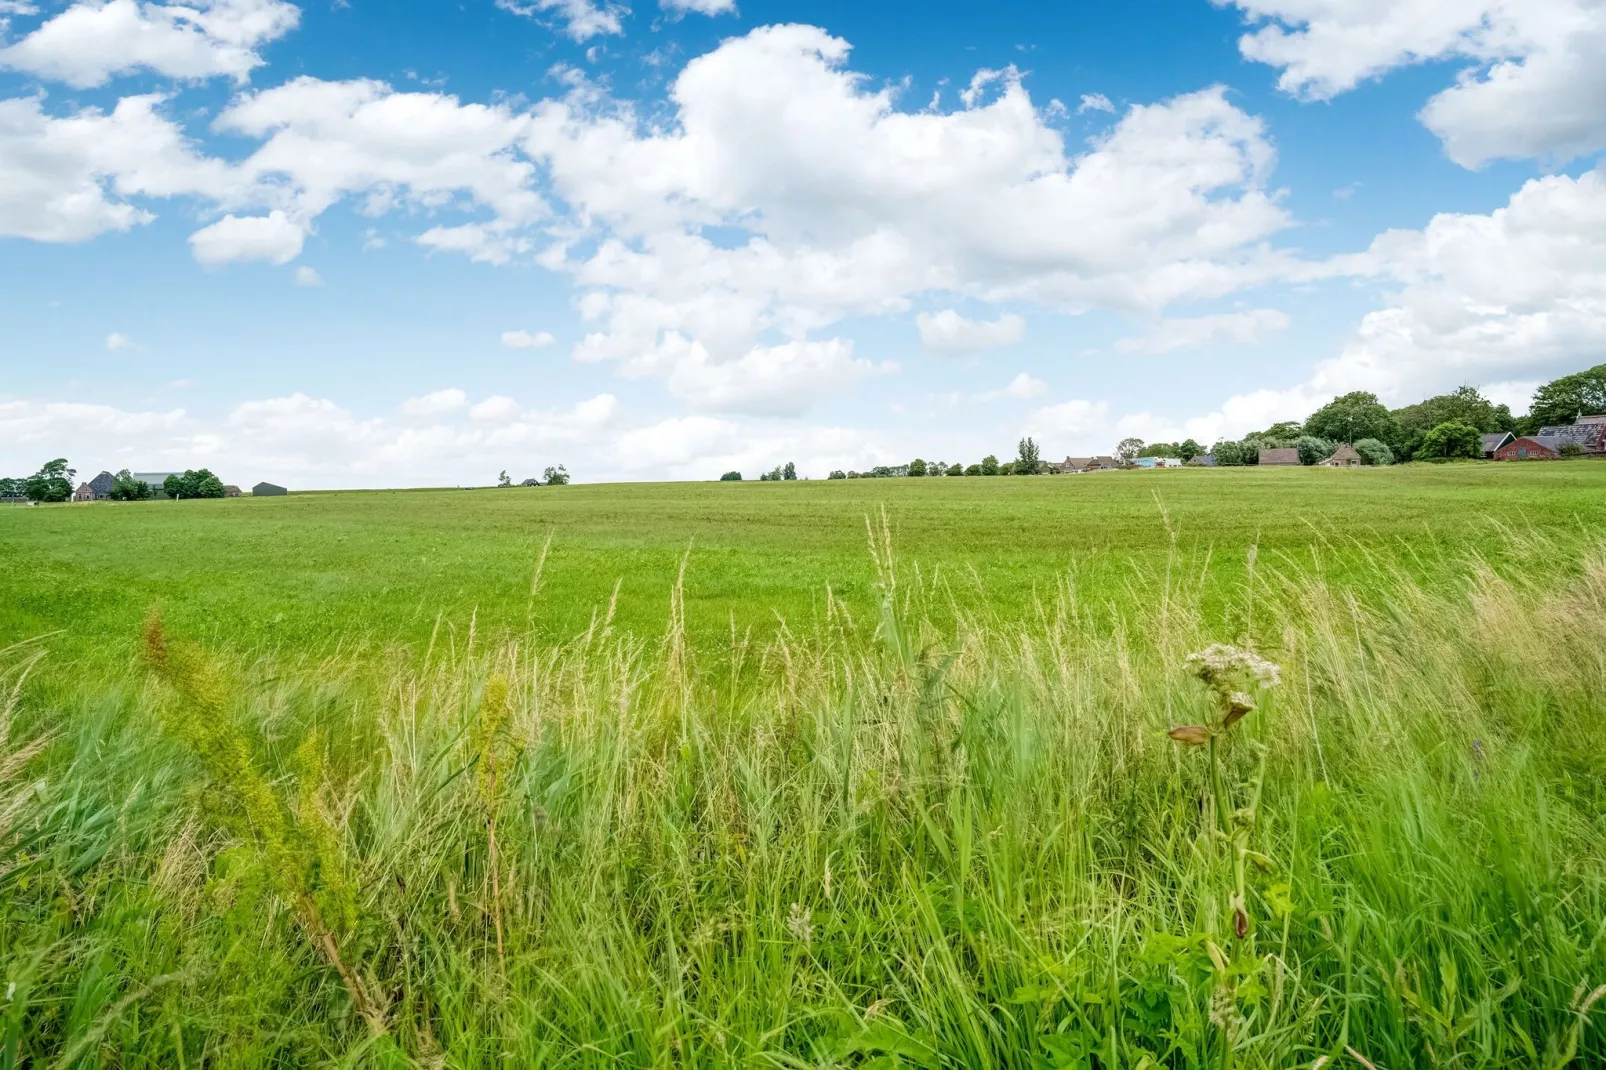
268,490
1530,448
1344,457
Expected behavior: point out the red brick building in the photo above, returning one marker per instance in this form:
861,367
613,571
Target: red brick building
1530,448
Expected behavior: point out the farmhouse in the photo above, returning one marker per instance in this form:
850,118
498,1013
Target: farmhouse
230,490
101,486
1530,448
1343,457
83,493
1492,442
1286,456
1087,464
1587,431
268,490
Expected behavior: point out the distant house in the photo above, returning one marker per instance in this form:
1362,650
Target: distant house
1157,462
102,485
1203,460
1494,441
268,490
1588,431
230,490
1087,464
1286,456
530,483
83,493
1343,457
1530,448
155,479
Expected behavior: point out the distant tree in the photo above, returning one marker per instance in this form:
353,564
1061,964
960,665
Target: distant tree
1229,454
1374,452
1312,449
956,469
556,476
125,488
1160,449
731,477
503,480
1007,468
1464,404
854,475
1353,416
789,471
13,488
1188,449
974,470
989,466
1561,401
194,483
1128,448
52,483
837,474
1287,431
1027,458
1451,439
917,468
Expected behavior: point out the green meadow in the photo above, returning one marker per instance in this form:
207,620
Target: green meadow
1196,768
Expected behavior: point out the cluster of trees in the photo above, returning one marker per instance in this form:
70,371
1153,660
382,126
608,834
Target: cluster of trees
776,474
52,483
194,483
554,476
1027,462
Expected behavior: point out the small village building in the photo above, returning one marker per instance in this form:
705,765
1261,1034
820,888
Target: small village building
1530,448
83,493
102,485
1494,441
1344,457
1087,464
230,490
1203,460
1157,462
268,490
1285,456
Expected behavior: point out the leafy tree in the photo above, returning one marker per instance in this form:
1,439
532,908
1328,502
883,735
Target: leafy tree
194,483
1188,449
1007,468
975,470
854,475
13,488
1452,439
1232,454
936,468
731,477
789,471
503,480
1374,452
1160,449
556,476
125,488
1561,401
1128,448
1027,462
989,466
917,468
1571,449
1354,415
837,474
1313,450
1464,404
956,469
1287,431
52,483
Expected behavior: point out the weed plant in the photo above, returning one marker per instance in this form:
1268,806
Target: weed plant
936,835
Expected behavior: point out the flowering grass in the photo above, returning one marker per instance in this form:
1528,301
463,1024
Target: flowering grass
920,827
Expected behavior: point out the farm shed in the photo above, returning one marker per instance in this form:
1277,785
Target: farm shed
1530,448
230,490
1344,457
1493,442
1286,456
268,490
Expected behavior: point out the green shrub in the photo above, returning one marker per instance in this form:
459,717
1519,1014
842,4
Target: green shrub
1450,440
1374,452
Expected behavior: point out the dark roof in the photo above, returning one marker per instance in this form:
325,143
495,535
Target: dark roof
1345,452
102,484
1494,440
1286,455
268,488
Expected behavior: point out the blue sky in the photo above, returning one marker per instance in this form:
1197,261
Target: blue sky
394,243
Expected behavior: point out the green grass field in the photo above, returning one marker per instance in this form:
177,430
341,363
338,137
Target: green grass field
864,773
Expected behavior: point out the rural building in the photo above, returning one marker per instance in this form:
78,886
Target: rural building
1588,431
1203,460
268,490
1494,441
102,485
1086,464
83,493
230,490
1530,448
1157,462
1285,456
155,479
1344,457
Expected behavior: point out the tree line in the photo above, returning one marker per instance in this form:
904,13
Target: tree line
54,483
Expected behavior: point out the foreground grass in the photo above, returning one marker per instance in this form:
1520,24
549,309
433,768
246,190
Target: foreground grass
930,832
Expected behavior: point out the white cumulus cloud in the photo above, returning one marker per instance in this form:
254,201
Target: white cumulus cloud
949,334
582,19
1235,328
1094,102
525,340
117,340
274,238
94,40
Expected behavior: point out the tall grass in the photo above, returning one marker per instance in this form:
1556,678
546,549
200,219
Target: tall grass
867,842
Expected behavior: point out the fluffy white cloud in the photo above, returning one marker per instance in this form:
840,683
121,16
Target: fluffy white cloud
849,206
526,340
1235,328
1022,387
436,403
93,40
273,238
117,340
582,19
1094,102
1078,422
496,409
780,380
949,334
701,7
69,179
306,276
1535,85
